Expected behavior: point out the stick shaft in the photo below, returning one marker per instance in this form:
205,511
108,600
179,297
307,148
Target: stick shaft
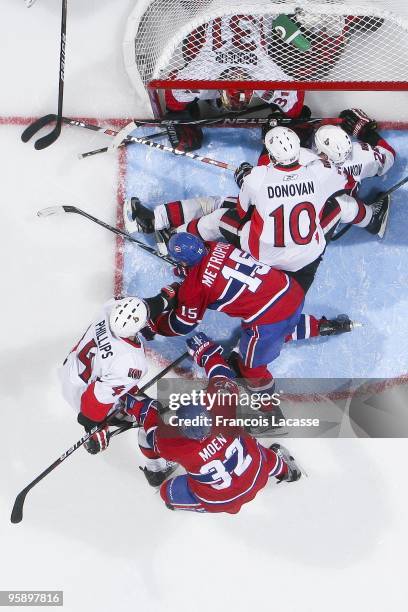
160,147
124,144
119,232
17,512
48,139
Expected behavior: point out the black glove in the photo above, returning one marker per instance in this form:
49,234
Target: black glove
305,113
357,123
272,119
165,300
185,137
98,441
169,295
149,331
241,172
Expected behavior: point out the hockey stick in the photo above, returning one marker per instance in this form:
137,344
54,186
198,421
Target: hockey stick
123,137
124,143
160,147
230,119
222,121
380,197
32,129
56,210
17,512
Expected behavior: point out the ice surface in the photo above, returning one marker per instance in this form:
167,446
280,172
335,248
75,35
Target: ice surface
362,276
335,541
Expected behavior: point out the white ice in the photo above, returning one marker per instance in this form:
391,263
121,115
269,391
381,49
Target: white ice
93,528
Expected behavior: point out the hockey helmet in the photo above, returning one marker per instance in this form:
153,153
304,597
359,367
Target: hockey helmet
283,146
186,249
235,98
334,142
195,421
128,316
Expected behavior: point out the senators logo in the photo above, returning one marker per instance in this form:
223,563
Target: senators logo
134,373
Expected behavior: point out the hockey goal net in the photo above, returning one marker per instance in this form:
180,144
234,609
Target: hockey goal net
264,44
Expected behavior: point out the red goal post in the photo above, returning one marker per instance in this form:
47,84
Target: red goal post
196,44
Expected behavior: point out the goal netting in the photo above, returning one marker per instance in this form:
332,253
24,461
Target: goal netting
268,44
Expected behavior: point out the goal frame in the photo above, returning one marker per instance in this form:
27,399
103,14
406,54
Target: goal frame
152,84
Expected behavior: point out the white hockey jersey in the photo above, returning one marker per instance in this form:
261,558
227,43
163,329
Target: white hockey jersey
288,101
101,368
237,41
284,230
224,45
367,161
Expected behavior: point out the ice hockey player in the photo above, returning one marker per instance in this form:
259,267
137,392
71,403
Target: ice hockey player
269,303
358,159
370,156
184,104
277,217
109,360
225,466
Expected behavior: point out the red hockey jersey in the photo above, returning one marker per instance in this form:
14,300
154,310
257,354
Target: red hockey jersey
226,469
231,281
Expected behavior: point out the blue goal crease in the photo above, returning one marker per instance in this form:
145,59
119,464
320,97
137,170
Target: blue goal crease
360,275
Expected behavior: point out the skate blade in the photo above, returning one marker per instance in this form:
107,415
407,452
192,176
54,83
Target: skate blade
302,469
355,325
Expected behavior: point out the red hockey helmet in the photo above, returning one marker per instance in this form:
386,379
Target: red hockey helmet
235,99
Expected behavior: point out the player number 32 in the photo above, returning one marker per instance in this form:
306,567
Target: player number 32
216,469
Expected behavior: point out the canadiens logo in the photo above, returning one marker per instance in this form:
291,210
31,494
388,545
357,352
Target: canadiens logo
134,373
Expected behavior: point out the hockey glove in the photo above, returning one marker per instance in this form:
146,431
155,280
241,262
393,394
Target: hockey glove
185,137
274,116
169,295
138,408
191,111
201,348
305,113
149,331
357,123
180,271
99,441
241,172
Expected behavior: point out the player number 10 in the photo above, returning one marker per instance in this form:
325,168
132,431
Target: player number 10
294,224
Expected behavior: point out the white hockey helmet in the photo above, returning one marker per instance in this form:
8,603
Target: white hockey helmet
334,142
283,146
128,316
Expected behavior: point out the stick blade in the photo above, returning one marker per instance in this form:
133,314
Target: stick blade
17,511
48,139
36,126
51,210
